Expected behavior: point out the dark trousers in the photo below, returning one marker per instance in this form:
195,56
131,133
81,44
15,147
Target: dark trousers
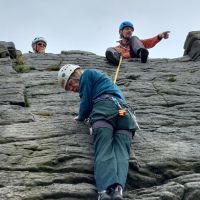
111,158
113,55
112,138
135,45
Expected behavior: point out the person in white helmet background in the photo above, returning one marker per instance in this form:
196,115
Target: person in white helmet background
131,46
39,45
113,126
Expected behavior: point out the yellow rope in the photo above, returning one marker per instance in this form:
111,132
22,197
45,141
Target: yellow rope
117,71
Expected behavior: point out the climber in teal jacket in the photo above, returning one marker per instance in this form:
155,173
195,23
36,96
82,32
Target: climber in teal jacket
92,85
113,125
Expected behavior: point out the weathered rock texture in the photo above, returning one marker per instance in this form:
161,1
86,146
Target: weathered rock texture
192,45
45,155
8,49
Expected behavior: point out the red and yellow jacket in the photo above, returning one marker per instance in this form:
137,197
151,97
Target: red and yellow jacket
124,50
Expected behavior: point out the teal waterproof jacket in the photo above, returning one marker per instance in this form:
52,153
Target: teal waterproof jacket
94,83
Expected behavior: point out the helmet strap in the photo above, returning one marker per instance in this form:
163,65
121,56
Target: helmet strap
35,49
125,40
122,37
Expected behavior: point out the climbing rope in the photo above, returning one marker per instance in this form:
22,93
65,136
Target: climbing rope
117,71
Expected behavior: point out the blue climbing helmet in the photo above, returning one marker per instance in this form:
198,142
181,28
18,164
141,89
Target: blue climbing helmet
125,24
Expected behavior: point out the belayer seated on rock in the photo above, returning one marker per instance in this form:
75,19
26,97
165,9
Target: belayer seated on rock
39,45
113,126
131,46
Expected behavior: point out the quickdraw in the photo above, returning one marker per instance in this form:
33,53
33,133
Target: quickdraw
122,112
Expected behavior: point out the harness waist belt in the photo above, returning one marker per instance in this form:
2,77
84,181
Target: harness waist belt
107,96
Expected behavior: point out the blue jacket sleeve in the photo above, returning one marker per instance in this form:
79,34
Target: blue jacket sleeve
85,93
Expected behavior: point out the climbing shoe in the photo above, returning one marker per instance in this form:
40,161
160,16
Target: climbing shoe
143,54
117,193
104,196
112,57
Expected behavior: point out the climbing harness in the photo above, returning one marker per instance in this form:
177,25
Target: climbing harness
123,108
122,112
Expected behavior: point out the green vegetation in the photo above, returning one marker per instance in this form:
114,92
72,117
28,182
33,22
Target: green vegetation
20,60
45,113
21,68
172,79
26,102
54,68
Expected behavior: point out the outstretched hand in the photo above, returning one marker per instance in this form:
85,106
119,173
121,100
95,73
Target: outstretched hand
86,121
76,118
164,35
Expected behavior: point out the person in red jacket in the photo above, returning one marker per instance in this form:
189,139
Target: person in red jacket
131,46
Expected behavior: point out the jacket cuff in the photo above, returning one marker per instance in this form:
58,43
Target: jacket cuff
80,119
159,38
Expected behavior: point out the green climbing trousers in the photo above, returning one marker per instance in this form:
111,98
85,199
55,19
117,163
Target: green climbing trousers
112,138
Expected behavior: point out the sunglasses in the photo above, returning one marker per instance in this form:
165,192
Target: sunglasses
41,44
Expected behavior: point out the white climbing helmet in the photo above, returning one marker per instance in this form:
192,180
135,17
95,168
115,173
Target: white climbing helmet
65,72
39,39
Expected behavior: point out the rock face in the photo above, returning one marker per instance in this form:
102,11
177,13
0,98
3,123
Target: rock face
45,155
8,49
192,45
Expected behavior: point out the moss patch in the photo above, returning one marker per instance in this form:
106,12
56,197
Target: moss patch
21,68
45,113
172,79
